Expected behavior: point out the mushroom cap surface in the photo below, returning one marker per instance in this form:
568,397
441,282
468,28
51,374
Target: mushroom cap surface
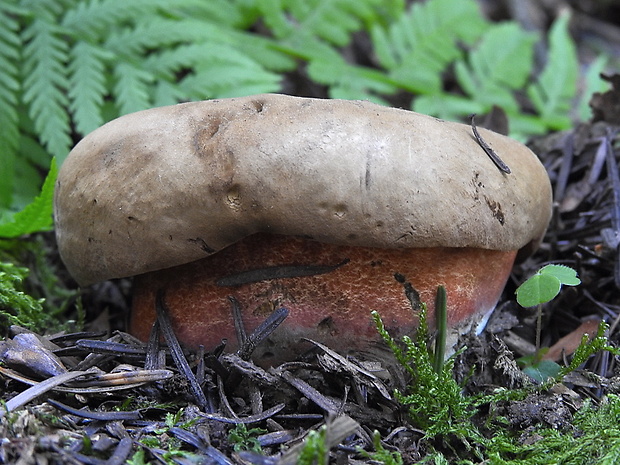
170,185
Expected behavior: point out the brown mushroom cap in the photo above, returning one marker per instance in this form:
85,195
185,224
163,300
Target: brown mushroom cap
171,185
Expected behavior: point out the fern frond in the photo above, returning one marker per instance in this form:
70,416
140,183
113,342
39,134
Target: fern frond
330,20
93,19
163,34
553,92
228,13
131,88
350,82
226,72
264,50
45,84
10,45
417,47
156,33
87,85
592,82
500,64
48,10
447,106
167,93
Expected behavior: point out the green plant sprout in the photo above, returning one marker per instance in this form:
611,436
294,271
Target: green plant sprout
545,285
381,454
433,397
243,438
537,290
437,404
36,216
314,450
170,445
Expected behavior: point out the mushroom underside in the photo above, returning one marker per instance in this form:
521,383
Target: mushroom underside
329,290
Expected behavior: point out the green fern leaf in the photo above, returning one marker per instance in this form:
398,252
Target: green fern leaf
169,61
32,159
447,106
222,12
94,19
210,60
417,48
266,51
499,65
167,93
87,85
162,44
350,82
592,82
131,90
554,91
37,216
330,20
223,71
45,84
10,45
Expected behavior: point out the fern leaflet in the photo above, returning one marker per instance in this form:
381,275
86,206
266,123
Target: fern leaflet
350,82
226,13
45,84
226,72
10,44
131,89
87,85
499,65
552,95
418,46
95,18
330,20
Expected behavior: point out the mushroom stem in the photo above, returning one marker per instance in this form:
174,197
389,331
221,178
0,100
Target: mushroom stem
333,307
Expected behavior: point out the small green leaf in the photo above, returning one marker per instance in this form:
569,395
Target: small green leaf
565,274
554,91
538,289
37,216
545,285
542,370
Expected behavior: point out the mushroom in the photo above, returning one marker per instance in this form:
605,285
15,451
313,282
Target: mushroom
309,204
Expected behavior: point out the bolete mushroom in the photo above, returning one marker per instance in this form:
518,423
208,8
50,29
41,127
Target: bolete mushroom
309,204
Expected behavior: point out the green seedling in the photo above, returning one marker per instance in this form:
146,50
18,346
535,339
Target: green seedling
438,405
315,450
381,454
433,397
539,289
243,438
545,285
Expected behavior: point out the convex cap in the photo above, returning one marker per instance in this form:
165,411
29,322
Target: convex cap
170,185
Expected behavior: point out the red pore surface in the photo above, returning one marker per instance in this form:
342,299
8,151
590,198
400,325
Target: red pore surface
333,308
